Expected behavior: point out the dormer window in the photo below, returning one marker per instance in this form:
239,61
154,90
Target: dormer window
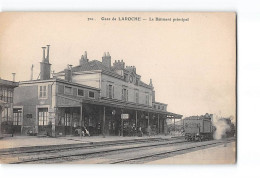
137,81
131,79
126,77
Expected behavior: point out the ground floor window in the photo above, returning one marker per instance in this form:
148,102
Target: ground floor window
17,117
43,116
75,119
67,119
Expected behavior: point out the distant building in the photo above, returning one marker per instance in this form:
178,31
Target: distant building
93,94
52,105
7,119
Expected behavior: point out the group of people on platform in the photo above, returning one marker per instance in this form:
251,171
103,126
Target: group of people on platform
84,132
128,131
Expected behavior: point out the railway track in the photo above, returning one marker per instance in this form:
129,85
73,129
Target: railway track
127,153
16,157
167,153
55,148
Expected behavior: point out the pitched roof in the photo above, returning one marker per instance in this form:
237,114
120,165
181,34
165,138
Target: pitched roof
206,116
97,65
89,66
144,85
9,83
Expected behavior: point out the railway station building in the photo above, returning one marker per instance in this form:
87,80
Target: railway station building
106,99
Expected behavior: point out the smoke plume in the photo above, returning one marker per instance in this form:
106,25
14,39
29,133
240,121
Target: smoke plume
221,127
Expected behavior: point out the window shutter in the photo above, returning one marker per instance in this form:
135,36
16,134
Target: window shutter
107,91
113,93
126,95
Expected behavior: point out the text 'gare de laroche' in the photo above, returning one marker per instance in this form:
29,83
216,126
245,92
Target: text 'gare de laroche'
163,19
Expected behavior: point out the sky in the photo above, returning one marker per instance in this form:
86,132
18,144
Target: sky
192,63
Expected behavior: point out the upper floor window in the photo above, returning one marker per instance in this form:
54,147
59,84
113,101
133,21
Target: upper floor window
68,90
159,107
137,97
61,89
124,94
110,91
10,96
147,99
80,92
43,91
91,94
6,114
6,95
162,107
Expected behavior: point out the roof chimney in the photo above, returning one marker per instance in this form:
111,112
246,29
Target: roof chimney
13,77
106,60
48,51
151,82
68,73
119,64
45,65
32,72
84,59
43,55
86,56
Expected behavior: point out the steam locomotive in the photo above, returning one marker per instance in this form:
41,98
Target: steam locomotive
200,128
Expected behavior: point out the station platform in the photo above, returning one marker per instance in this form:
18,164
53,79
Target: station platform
221,154
33,141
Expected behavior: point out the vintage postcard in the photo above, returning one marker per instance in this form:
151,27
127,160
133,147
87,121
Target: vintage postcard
118,87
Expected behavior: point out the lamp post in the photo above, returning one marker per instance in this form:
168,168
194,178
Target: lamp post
113,114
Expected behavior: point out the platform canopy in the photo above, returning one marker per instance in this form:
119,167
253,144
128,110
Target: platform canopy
133,106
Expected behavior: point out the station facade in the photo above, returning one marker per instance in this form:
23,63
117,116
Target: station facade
106,99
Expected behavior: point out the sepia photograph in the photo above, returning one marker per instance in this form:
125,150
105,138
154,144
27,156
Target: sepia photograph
118,88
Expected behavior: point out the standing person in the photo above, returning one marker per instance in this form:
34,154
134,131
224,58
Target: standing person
99,128
83,133
140,132
86,131
149,131
133,130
